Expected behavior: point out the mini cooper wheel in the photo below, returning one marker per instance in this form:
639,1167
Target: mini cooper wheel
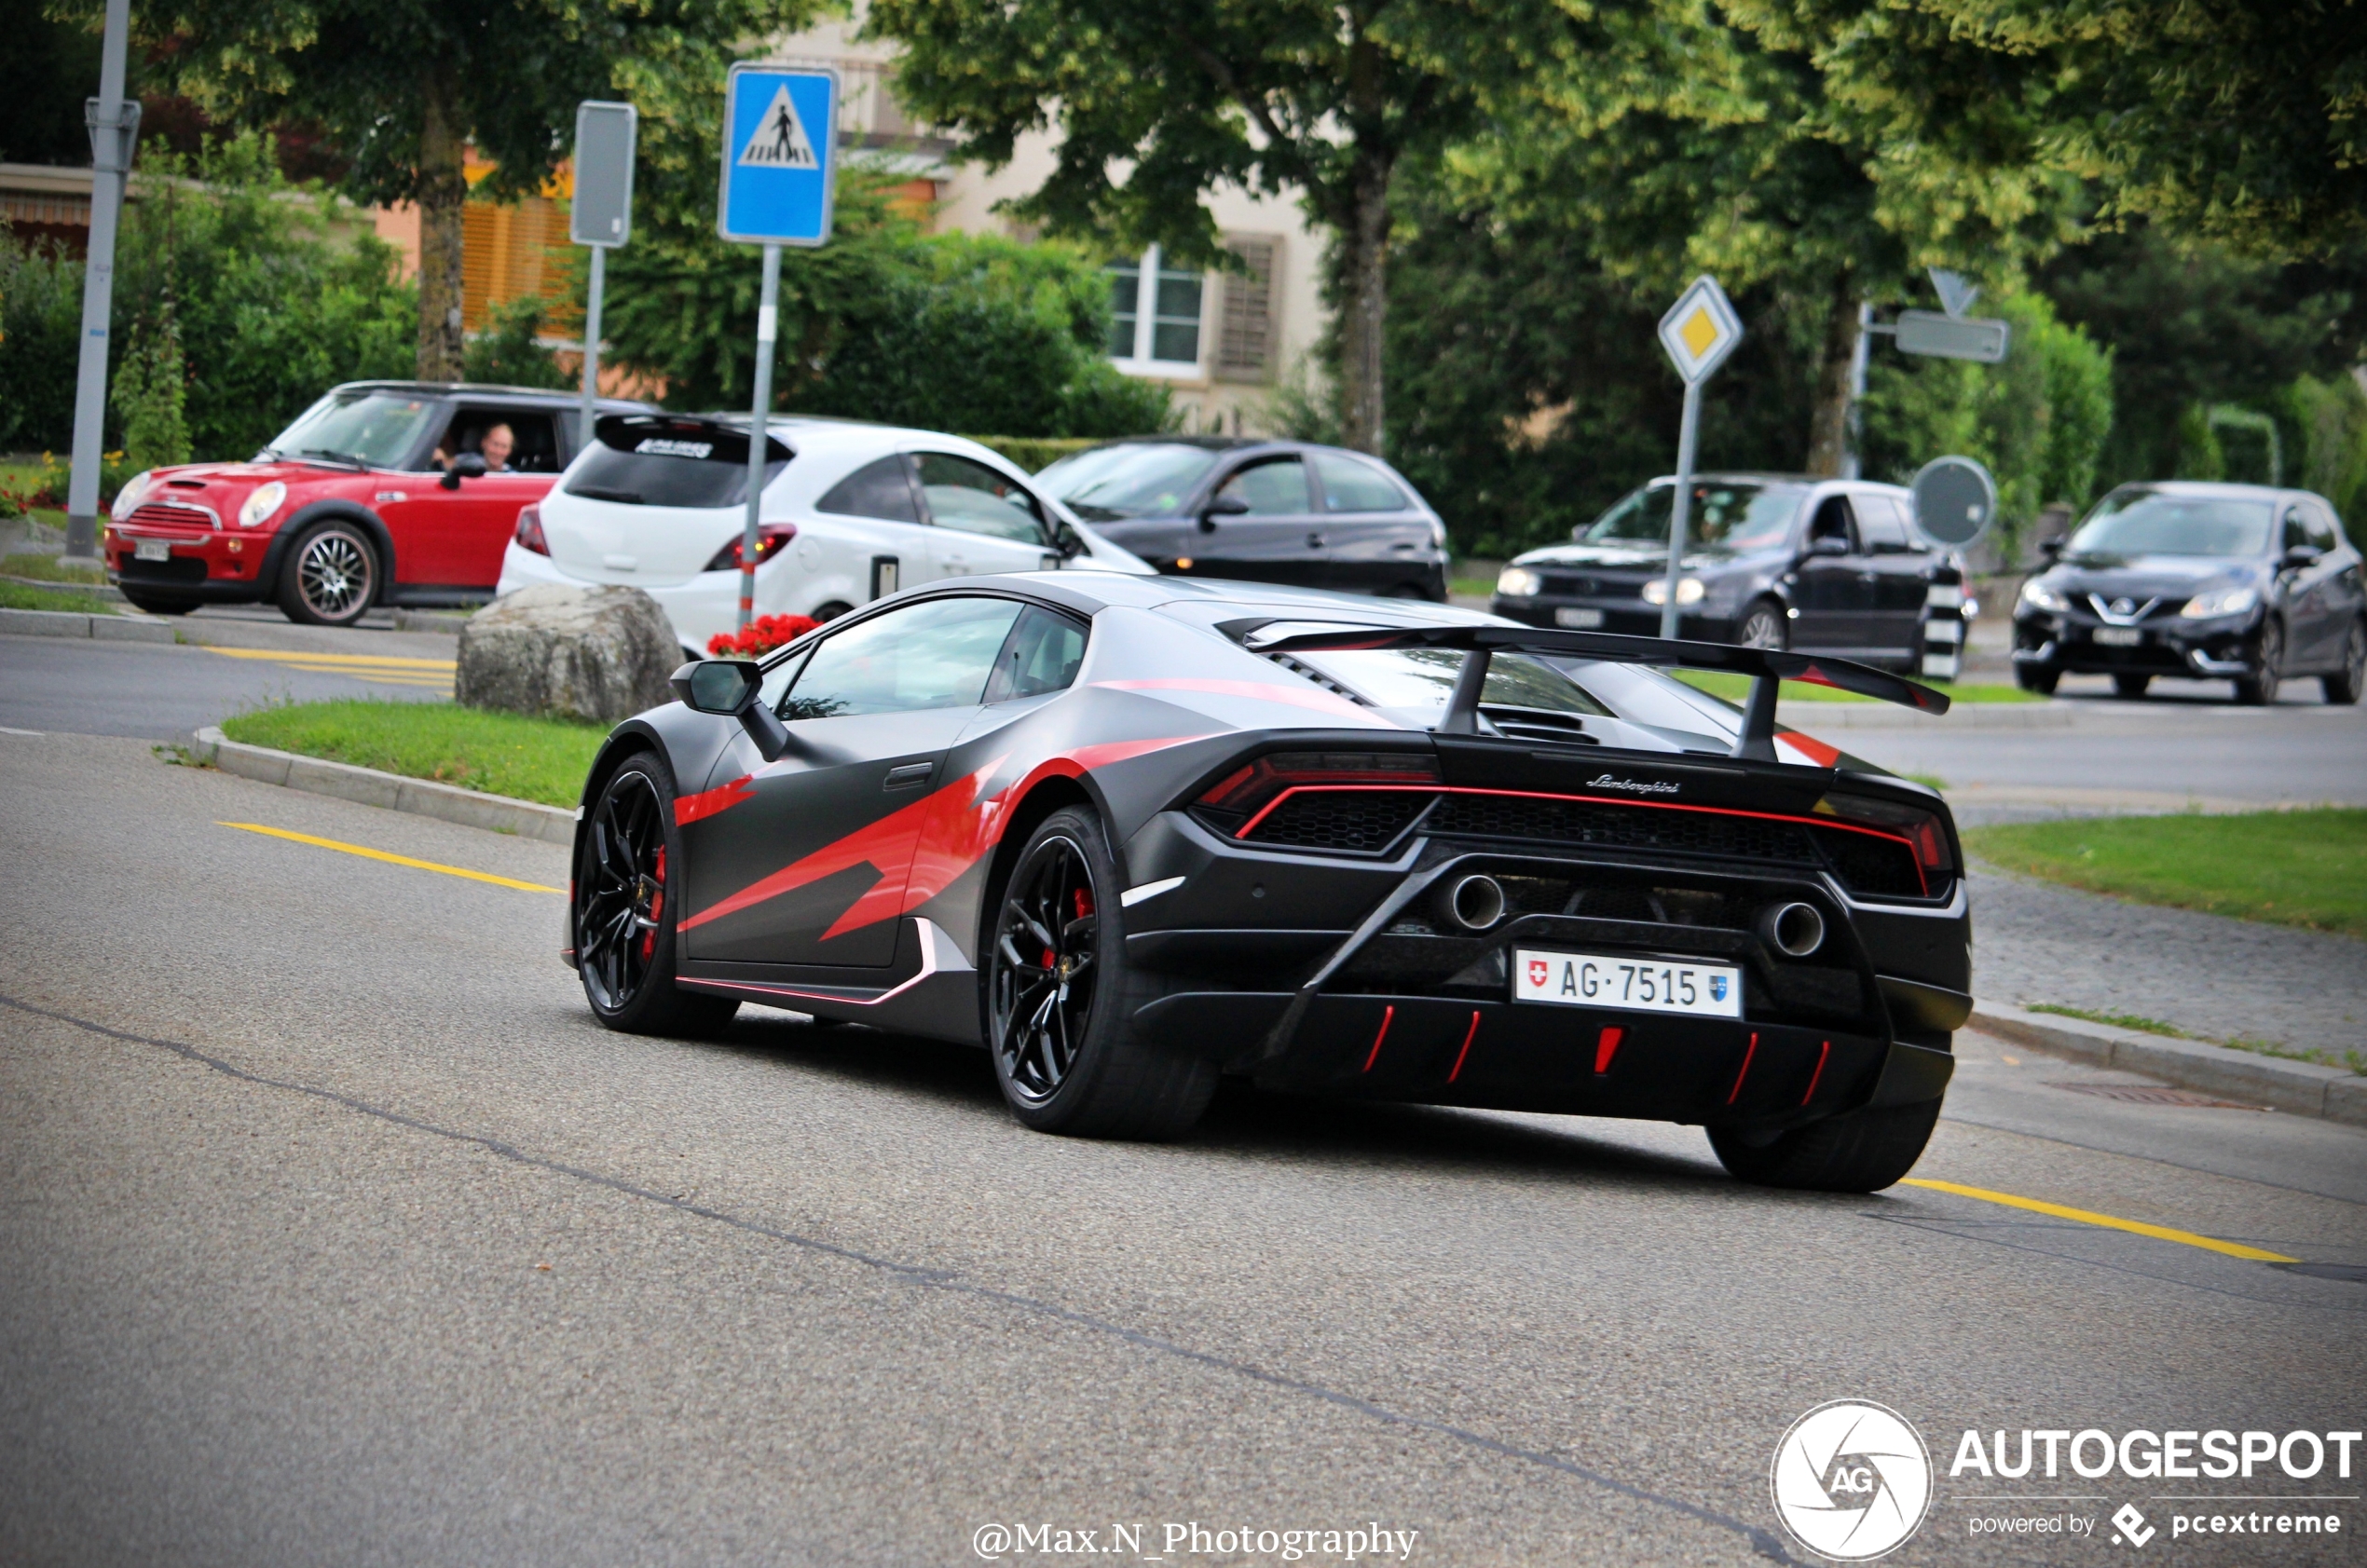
1855,1151
331,578
1766,626
2342,685
1059,999
623,918
2259,689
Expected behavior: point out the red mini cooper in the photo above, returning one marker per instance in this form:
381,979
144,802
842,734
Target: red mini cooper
382,493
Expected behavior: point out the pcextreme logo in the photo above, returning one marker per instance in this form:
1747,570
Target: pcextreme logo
1852,1481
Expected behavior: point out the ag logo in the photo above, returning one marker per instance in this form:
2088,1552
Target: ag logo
1852,1481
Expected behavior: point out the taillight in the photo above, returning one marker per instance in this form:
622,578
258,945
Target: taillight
1919,827
770,538
1245,792
529,533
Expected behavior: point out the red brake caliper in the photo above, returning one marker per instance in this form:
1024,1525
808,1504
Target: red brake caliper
657,908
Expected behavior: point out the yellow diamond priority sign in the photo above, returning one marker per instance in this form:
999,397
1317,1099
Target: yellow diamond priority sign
1699,330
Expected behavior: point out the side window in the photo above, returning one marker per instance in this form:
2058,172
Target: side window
881,489
1881,524
976,499
1832,521
1044,654
1349,485
1276,488
509,439
2322,532
2296,530
936,654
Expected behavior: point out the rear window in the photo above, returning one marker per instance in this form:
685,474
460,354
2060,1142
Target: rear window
640,461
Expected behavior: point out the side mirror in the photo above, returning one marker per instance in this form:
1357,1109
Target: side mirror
468,465
728,688
2303,555
1069,542
2052,549
1222,506
1828,545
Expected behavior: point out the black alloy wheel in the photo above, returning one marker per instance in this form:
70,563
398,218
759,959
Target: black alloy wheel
2342,686
2131,685
625,915
331,578
1059,999
2259,689
1766,626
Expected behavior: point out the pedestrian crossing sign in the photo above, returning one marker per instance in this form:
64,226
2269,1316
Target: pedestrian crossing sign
1699,330
779,135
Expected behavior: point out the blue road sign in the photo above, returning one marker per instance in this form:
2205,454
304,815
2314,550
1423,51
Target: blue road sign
780,132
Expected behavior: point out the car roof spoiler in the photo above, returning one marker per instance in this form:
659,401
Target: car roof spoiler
1765,666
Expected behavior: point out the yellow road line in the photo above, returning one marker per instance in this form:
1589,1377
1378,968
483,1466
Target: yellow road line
391,859
2110,1221
366,661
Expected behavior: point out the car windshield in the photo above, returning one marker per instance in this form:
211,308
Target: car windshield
1723,517
646,460
2149,523
1424,677
379,429
1137,479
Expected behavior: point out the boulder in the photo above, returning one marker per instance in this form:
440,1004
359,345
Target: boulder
558,652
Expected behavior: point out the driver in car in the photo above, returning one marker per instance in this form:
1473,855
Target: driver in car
494,447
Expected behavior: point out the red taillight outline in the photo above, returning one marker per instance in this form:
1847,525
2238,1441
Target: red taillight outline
528,532
1903,840
771,540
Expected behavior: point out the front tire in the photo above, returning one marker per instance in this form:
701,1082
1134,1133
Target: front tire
2342,688
1766,626
1060,997
2259,689
331,575
1855,1151
626,907
2039,678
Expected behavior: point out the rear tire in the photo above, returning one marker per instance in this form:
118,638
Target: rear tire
2037,677
331,575
2259,689
2342,688
1059,999
626,897
1855,1151
2132,687
155,605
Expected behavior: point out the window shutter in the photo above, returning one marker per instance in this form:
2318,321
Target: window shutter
1245,335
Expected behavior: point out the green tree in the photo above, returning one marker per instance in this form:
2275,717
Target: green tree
403,87
1156,104
151,395
511,353
40,330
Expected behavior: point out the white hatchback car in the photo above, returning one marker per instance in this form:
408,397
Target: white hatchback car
851,512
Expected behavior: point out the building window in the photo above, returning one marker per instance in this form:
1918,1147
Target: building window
1154,317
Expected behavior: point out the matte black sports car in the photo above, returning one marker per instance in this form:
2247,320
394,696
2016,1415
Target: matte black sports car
1133,834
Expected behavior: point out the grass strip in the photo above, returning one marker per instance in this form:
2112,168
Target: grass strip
2137,1021
1718,683
16,595
543,759
2305,868
50,570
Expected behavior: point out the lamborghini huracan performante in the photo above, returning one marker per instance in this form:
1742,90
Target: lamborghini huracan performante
1135,834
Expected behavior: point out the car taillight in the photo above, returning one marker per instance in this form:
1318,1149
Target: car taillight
529,533
1919,827
770,538
1243,792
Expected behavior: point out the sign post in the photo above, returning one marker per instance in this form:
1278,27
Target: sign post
780,142
115,131
1955,501
602,217
1699,330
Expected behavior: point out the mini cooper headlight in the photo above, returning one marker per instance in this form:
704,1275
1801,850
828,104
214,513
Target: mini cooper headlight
2038,596
2220,601
1688,591
1518,582
262,504
130,495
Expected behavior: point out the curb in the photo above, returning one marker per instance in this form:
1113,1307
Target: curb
368,786
2305,1087
95,590
73,623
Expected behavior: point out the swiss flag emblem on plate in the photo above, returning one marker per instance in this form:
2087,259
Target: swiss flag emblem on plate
1537,972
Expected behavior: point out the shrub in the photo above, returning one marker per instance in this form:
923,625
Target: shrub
511,354
40,332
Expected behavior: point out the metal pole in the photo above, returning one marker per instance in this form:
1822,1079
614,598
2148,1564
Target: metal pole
110,160
767,314
1680,509
1853,424
592,341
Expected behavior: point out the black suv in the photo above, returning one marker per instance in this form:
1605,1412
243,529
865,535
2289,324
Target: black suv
2239,582
1259,511
1777,561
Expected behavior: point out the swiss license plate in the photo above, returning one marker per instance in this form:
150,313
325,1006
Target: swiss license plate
1709,990
152,549
2118,636
1578,620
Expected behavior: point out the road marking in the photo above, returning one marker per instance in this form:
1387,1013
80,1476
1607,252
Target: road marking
380,668
368,853
2109,1221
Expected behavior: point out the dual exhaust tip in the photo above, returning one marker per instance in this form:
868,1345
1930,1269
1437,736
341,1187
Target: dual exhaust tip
1477,903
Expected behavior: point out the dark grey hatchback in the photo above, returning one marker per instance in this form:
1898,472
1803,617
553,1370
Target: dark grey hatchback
1256,511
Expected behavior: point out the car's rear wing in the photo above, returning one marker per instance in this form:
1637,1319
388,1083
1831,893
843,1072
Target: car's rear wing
1765,666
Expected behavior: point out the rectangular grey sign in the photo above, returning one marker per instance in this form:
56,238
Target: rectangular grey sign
1951,337
604,135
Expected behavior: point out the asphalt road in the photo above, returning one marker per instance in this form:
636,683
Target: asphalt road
335,1231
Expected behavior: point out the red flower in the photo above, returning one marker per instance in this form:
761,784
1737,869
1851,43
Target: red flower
763,635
